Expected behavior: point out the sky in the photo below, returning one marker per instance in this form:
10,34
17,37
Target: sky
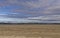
30,11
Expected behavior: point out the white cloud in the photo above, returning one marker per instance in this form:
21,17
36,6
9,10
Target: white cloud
40,19
47,17
15,20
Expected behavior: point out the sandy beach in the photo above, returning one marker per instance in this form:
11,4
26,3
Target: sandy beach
29,31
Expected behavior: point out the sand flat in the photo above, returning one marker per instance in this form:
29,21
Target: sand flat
30,31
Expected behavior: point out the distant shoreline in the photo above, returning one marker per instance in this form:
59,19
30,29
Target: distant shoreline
30,23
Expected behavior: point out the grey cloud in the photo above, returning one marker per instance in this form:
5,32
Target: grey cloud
32,4
53,10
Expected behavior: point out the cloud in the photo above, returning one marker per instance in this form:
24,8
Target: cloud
15,20
33,7
46,18
39,11
36,4
53,10
41,6
40,19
